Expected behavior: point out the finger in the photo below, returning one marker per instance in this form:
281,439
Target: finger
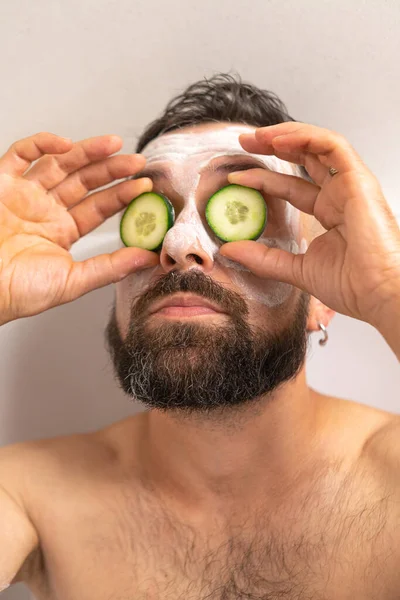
22,153
331,147
264,262
96,208
51,170
104,269
259,141
317,171
300,193
78,184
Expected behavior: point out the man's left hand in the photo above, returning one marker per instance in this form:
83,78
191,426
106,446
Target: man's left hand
354,267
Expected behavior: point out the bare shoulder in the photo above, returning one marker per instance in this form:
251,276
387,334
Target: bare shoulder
28,465
31,467
29,472
36,472
384,446
369,433
379,432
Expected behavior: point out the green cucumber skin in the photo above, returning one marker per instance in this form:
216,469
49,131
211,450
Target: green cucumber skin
262,227
171,216
171,219
170,212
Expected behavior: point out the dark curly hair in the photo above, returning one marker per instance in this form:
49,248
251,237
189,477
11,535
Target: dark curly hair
222,98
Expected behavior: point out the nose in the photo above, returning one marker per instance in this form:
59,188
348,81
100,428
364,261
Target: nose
182,250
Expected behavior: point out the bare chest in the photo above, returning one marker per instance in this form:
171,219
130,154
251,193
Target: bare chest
124,546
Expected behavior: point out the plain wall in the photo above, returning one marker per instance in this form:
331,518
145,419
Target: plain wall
81,68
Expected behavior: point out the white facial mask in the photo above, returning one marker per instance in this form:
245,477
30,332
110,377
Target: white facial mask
183,156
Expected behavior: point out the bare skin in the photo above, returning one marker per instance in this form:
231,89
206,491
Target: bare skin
109,529
302,501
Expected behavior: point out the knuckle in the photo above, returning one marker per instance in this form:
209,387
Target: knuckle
298,267
109,168
49,162
15,148
264,258
44,136
99,206
26,140
82,177
341,139
333,132
333,136
289,189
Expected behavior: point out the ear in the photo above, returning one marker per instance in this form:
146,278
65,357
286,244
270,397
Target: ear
318,313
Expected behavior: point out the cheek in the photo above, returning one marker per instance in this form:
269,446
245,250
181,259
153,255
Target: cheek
126,293
283,221
268,292
264,291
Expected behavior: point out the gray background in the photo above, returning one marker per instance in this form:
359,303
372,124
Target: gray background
89,67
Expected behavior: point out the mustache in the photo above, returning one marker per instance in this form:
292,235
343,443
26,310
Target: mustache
194,281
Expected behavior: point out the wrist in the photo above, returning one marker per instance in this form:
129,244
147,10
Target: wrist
387,320
3,320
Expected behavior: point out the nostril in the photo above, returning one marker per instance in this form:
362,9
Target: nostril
170,260
195,257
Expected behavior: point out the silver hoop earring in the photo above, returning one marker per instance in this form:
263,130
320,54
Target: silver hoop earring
324,331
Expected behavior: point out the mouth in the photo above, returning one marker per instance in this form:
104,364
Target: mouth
180,305
186,311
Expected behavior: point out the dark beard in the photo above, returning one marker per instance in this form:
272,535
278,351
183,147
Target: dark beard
196,366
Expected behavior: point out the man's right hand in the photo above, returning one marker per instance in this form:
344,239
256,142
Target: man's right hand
44,210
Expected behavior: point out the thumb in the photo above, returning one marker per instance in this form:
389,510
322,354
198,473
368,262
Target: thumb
104,269
264,262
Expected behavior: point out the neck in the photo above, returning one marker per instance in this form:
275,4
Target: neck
262,446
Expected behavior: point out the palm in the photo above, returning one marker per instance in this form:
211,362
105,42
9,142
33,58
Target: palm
36,277
34,255
26,209
44,211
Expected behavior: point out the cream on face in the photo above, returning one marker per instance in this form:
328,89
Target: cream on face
183,156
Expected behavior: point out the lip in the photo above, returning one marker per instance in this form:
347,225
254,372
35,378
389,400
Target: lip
184,301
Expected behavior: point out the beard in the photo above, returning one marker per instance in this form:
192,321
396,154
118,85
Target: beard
198,366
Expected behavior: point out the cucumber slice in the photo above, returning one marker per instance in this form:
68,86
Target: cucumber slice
146,220
237,213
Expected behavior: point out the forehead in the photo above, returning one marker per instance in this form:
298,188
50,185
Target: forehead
205,142
191,141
